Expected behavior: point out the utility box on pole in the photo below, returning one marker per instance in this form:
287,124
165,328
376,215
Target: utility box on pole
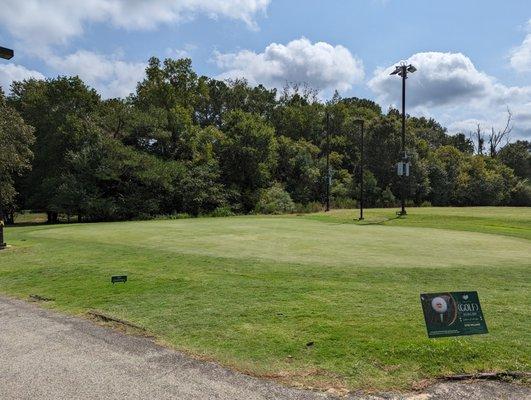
403,168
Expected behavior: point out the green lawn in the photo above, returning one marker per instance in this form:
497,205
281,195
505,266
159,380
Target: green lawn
251,292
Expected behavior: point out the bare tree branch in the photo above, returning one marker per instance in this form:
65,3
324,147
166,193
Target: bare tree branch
496,138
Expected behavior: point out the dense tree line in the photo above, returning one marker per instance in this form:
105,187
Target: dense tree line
184,143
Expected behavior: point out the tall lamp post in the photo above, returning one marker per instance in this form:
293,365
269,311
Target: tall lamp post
402,70
328,178
6,54
361,123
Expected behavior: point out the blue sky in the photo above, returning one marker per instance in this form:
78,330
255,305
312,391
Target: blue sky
474,57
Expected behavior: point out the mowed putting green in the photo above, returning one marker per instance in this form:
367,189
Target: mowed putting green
252,292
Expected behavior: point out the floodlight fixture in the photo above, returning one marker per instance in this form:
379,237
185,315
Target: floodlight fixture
396,71
6,53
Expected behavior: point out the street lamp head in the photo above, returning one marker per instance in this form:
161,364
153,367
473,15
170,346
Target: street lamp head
403,69
397,71
6,53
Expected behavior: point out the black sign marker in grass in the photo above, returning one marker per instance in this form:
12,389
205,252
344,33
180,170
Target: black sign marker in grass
453,314
118,279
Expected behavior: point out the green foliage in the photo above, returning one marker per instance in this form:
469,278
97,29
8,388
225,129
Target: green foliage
518,157
247,153
16,138
222,211
274,200
184,143
521,194
387,198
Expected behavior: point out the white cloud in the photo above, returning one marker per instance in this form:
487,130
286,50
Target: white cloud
520,56
184,52
441,78
13,72
320,65
521,121
40,23
111,76
448,87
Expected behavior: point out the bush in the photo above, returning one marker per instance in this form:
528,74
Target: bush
222,211
388,198
521,194
425,204
344,203
310,207
274,200
171,216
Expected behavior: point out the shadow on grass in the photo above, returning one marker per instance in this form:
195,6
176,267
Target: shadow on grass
379,221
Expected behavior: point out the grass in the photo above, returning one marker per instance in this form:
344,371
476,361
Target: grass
251,292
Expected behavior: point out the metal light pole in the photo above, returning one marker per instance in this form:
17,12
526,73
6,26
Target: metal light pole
402,70
327,162
361,122
6,54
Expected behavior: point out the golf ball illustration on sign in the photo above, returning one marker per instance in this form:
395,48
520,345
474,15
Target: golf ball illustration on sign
440,306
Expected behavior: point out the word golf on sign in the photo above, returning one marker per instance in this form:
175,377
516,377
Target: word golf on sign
118,278
453,314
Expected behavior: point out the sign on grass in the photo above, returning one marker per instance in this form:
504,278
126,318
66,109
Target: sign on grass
453,314
118,278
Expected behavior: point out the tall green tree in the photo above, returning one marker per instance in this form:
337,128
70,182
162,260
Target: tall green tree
60,110
517,156
248,155
16,138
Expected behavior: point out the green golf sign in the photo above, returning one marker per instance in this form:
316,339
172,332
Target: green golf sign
453,314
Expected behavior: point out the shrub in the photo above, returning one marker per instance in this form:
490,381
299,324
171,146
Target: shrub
344,203
521,194
388,198
222,211
274,200
310,207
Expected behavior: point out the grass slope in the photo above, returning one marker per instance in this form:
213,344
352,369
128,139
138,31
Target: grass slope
251,292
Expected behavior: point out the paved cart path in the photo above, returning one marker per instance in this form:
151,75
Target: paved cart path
45,355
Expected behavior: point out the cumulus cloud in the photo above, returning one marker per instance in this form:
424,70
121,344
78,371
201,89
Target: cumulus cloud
521,121
441,78
112,76
13,72
40,23
320,65
520,56
449,87
184,52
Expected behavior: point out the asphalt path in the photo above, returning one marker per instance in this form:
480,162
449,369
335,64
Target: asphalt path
46,355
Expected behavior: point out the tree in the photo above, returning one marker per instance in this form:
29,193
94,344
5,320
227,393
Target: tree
167,85
484,181
247,154
298,168
478,138
517,156
274,200
60,110
193,144
496,138
16,138
461,142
